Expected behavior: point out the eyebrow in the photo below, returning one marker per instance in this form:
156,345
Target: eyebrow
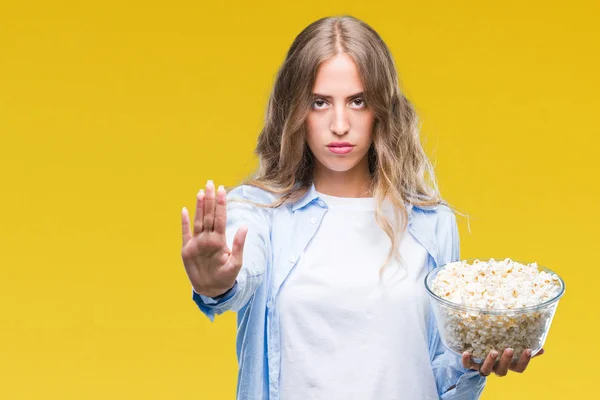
347,98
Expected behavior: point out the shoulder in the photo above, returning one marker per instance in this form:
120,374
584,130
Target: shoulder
439,220
436,216
443,226
251,193
247,202
436,228
447,214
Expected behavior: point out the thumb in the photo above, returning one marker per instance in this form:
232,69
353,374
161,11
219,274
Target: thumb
237,249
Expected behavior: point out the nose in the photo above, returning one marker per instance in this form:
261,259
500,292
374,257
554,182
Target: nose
340,124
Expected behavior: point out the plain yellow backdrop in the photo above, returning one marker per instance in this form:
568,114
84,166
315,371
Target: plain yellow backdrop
114,114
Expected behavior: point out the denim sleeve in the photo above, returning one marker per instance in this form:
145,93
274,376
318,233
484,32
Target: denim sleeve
204,302
255,254
454,381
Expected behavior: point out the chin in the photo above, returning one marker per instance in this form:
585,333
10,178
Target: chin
340,166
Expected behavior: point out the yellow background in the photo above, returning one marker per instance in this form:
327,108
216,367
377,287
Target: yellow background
114,114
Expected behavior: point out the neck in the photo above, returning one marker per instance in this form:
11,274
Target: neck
353,183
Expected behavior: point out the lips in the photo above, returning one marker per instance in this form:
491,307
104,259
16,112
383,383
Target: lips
340,144
340,149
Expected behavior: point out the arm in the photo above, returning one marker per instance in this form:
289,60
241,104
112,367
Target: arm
454,382
256,250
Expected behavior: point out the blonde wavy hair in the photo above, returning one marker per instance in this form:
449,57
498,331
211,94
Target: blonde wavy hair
398,165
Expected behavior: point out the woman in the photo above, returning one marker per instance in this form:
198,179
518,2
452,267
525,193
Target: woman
323,252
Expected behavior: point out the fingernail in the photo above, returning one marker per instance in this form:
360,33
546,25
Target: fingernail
528,352
494,354
221,187
210,183
465,354
510,352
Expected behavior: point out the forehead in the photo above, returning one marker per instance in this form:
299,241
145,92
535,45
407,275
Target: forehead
338,76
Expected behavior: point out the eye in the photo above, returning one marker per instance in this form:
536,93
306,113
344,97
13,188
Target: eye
318,103
360,101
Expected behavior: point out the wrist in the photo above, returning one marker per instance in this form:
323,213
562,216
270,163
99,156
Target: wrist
220,296
213,293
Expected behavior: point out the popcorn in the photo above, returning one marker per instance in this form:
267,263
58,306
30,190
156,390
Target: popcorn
498,290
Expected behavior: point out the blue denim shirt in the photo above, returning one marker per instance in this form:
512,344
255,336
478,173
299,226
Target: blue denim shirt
275,241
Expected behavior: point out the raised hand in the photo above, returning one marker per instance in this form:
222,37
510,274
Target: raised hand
210,265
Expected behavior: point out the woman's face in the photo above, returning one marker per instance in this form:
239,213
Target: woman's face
339,123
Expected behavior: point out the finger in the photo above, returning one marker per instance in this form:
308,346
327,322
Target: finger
209,207
237,249
539,353
198,218
185,226
521,364
488,364
221,211
467,361
505,360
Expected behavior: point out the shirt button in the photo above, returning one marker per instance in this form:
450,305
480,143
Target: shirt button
313,221
269,303
321,203
292,259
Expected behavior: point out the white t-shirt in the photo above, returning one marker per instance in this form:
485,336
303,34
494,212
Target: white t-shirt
345,335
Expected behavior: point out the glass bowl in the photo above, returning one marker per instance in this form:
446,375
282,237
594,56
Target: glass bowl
481,330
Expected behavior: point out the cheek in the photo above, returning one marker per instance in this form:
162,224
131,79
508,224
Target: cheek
312,131
312,125
365,125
